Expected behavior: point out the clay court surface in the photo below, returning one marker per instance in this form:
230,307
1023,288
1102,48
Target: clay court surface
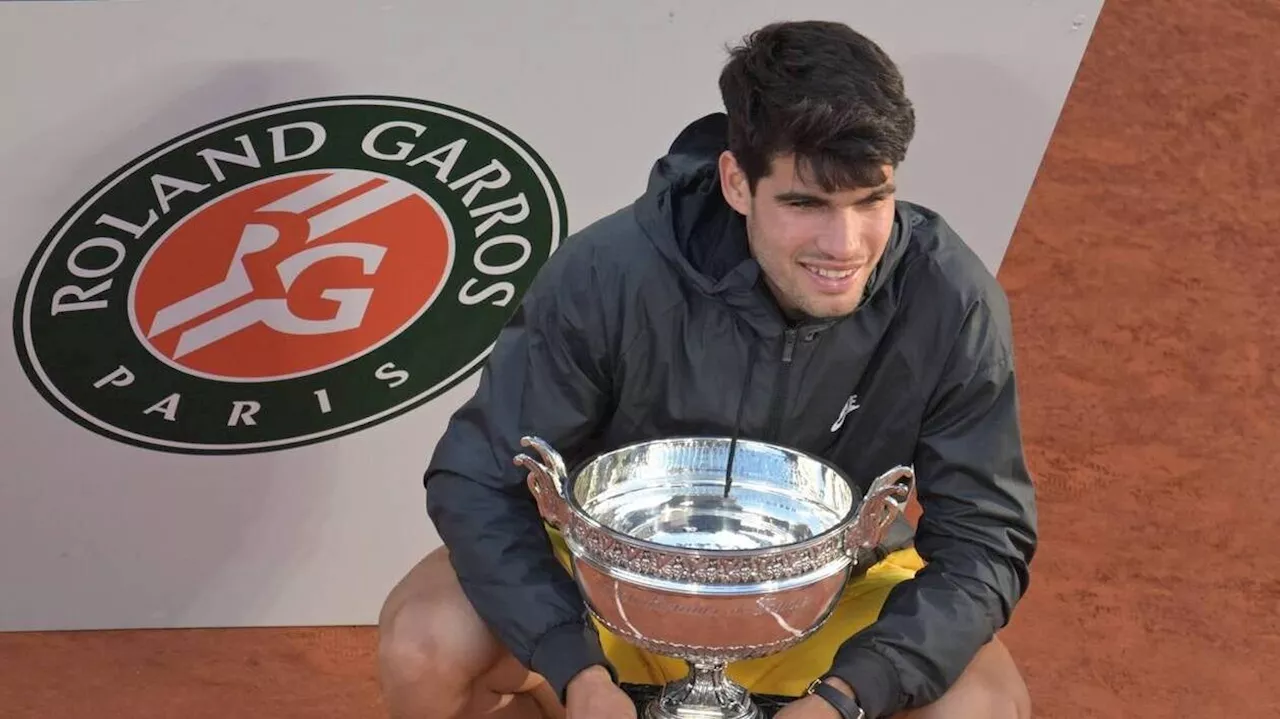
1145,280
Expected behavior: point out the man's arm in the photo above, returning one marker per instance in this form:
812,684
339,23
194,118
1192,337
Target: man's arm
547,376
977,532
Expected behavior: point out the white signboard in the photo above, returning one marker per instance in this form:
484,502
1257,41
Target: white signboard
210,419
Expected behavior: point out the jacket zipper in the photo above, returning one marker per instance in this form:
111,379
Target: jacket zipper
780,395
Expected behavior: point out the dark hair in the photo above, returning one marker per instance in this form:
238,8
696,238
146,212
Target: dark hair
821,91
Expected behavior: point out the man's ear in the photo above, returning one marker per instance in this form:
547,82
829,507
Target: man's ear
733,183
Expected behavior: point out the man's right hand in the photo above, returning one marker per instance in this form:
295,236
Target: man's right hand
593,695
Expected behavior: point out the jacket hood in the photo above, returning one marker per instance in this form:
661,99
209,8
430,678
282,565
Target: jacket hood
684,214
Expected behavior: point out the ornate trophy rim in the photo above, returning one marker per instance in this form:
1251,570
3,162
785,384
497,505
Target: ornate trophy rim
699,570
793,580
580,514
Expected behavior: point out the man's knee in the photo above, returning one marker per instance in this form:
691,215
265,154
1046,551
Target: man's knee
410,649
428,638
1008,688
990,688
437,658
999,690
1009,696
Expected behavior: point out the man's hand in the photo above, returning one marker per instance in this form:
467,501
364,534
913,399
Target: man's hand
593,695
814,707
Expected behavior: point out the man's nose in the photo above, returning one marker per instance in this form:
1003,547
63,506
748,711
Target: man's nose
841,234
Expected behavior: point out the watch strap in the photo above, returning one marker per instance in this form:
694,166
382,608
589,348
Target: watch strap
846,705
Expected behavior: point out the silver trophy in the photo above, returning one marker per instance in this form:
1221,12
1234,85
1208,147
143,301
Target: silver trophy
674,559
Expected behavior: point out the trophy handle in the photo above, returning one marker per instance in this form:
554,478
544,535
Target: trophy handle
546,480
883,503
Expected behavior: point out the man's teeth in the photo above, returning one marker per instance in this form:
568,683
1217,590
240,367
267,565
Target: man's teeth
830,274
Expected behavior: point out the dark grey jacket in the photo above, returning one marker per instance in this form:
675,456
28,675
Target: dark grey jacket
654,321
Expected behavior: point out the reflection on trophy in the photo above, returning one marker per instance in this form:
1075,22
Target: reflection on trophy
711,551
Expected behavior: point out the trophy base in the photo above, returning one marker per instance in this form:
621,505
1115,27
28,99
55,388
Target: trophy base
704,693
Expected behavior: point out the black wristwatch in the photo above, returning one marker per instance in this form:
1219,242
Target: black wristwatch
843,703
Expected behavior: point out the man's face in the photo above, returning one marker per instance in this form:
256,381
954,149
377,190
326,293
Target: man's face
817,249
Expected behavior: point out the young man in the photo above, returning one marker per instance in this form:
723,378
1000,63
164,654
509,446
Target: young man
768,280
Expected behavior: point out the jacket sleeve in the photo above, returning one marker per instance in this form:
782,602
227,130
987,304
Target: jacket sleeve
977,532
547,376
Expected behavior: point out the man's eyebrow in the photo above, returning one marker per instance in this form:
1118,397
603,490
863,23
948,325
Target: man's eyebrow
796,195
876,193
884,190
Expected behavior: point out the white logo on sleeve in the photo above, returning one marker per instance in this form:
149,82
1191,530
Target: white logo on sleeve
849,405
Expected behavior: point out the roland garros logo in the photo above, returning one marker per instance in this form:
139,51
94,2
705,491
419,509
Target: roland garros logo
286,275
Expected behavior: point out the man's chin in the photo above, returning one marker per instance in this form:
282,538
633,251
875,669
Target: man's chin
830,308
829,305
819,305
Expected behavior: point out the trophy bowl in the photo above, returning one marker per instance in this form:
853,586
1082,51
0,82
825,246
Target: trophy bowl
673,562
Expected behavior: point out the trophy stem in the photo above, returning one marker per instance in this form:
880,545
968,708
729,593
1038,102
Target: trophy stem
706,692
